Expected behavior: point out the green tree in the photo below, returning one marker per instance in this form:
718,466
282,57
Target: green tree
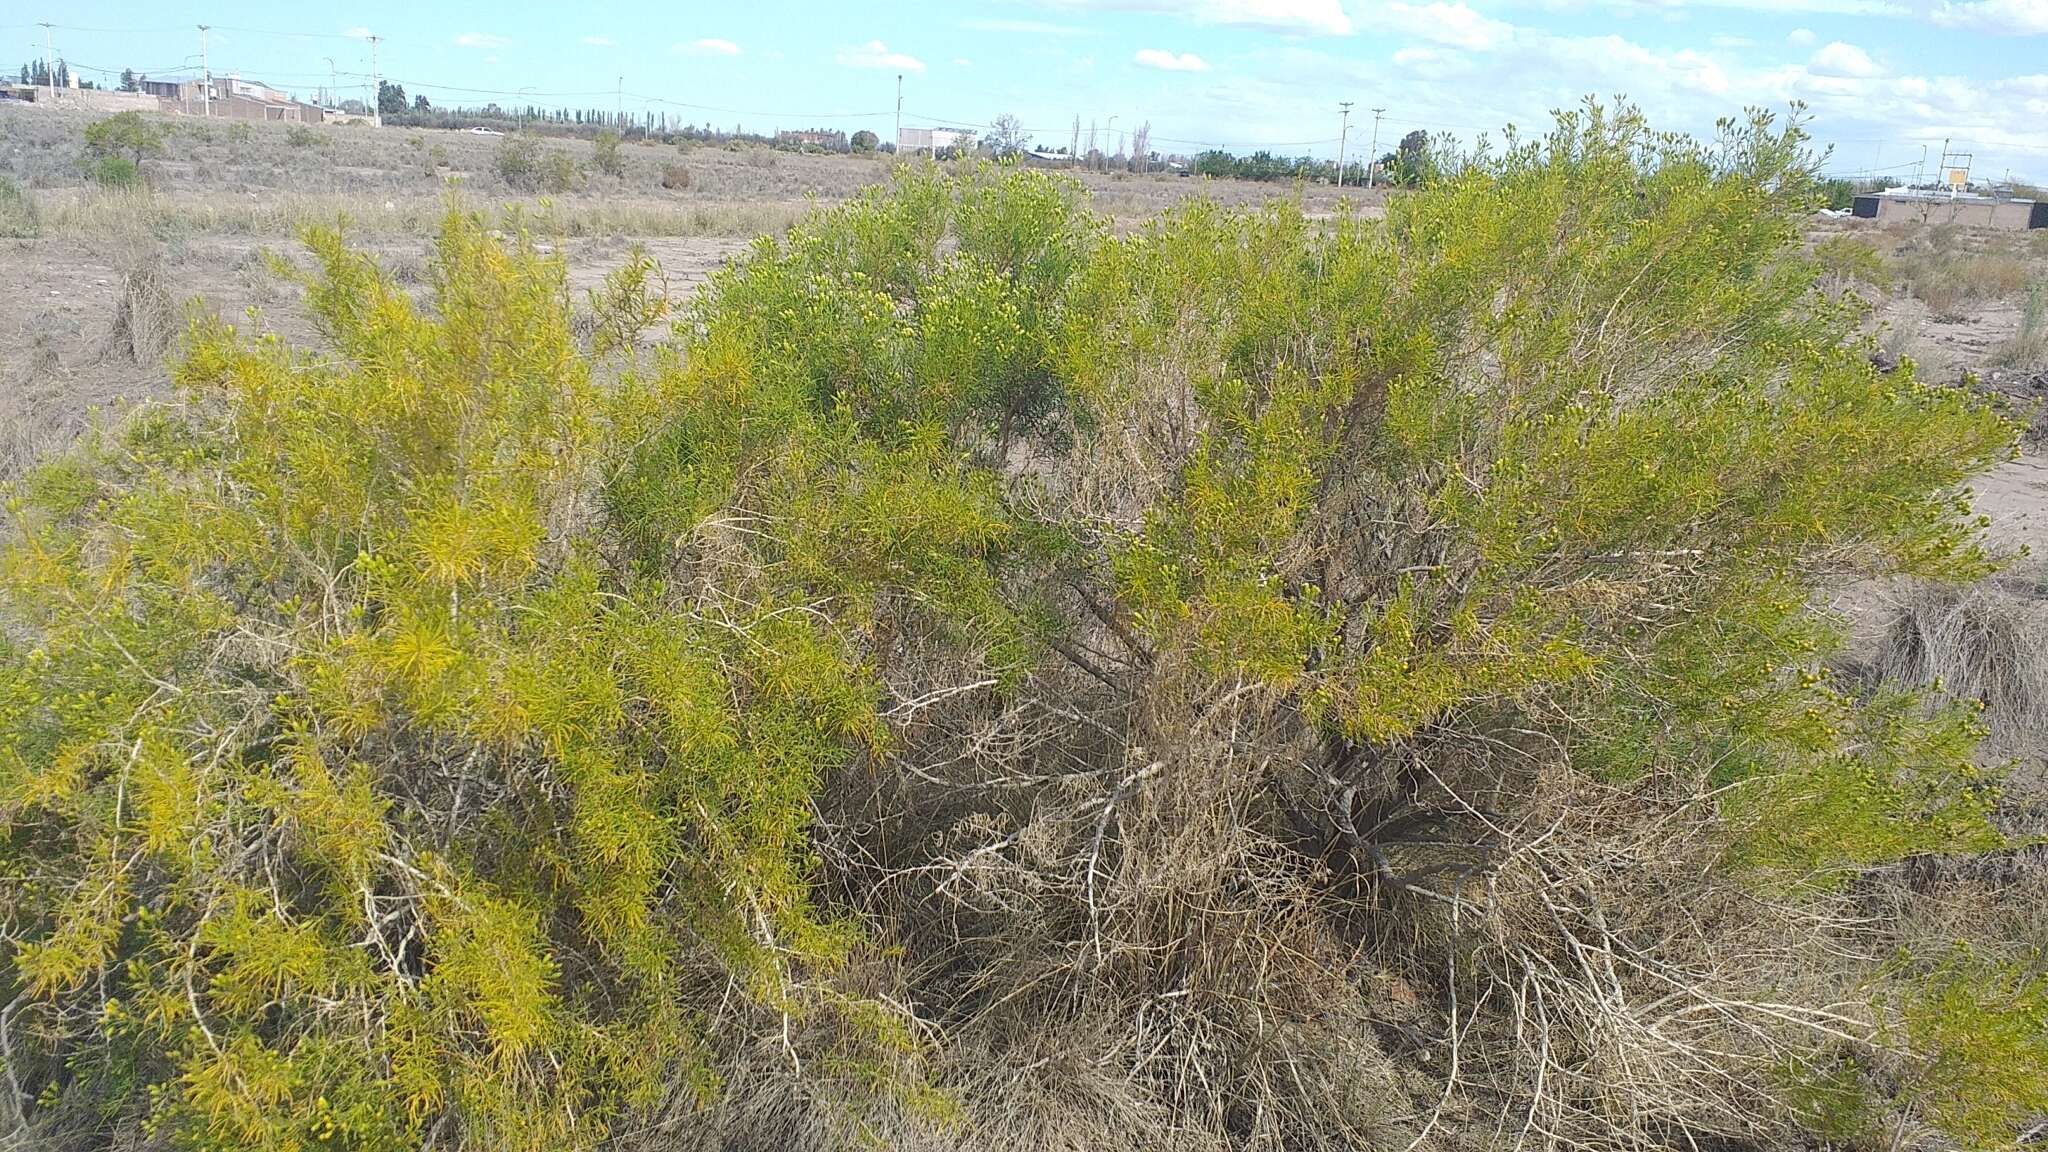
128,82
420,104
390,98
127,135
865,141
1411,158
1007,135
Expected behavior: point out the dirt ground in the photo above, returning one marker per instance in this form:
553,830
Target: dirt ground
222,196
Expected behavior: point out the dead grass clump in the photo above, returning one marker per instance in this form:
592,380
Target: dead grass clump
1986,642
675,177
28,401
145,314
1136,955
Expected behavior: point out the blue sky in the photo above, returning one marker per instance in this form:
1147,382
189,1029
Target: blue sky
1883,78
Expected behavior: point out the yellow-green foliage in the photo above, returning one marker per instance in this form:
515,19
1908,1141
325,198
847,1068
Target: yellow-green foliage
1980,1030
343,768
419,735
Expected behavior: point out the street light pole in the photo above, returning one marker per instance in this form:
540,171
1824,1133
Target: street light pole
1373,160
49,64
206,77
1343,134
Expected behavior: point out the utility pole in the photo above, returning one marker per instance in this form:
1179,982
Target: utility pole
897,144
206,76
328,101
49,64
1343,134
1920,170
619,110
1372,161
1110,130
376,85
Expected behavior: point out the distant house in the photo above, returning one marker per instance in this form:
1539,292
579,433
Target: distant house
830,141
1931,207
73,96
932,139
229,98
1046,158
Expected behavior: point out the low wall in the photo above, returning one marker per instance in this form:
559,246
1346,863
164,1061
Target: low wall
2009,215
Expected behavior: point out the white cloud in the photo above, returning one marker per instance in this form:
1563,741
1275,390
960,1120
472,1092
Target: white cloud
875,54
962,62
600,42
1998,17
1454,24
1844,60
1305,17
1801,37
480,40
1024,27
1166,61
357,33
1425,61
711,46
1732,42
1326,17
1268,91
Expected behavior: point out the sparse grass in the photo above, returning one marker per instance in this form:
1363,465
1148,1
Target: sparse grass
1950,271
1849,261
1899,337
19,219
141,214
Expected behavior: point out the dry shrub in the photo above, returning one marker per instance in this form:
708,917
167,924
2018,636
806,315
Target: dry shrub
145,314
1986,642
24,438
2027,347
675,177
1137,955
1949,278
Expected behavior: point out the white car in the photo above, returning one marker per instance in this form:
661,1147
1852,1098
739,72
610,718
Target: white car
480,130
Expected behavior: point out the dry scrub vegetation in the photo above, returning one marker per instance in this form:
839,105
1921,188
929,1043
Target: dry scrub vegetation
986,682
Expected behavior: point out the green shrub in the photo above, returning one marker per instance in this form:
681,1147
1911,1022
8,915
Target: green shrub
116,172
605,154
559,171
992,644
518,162
300,136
